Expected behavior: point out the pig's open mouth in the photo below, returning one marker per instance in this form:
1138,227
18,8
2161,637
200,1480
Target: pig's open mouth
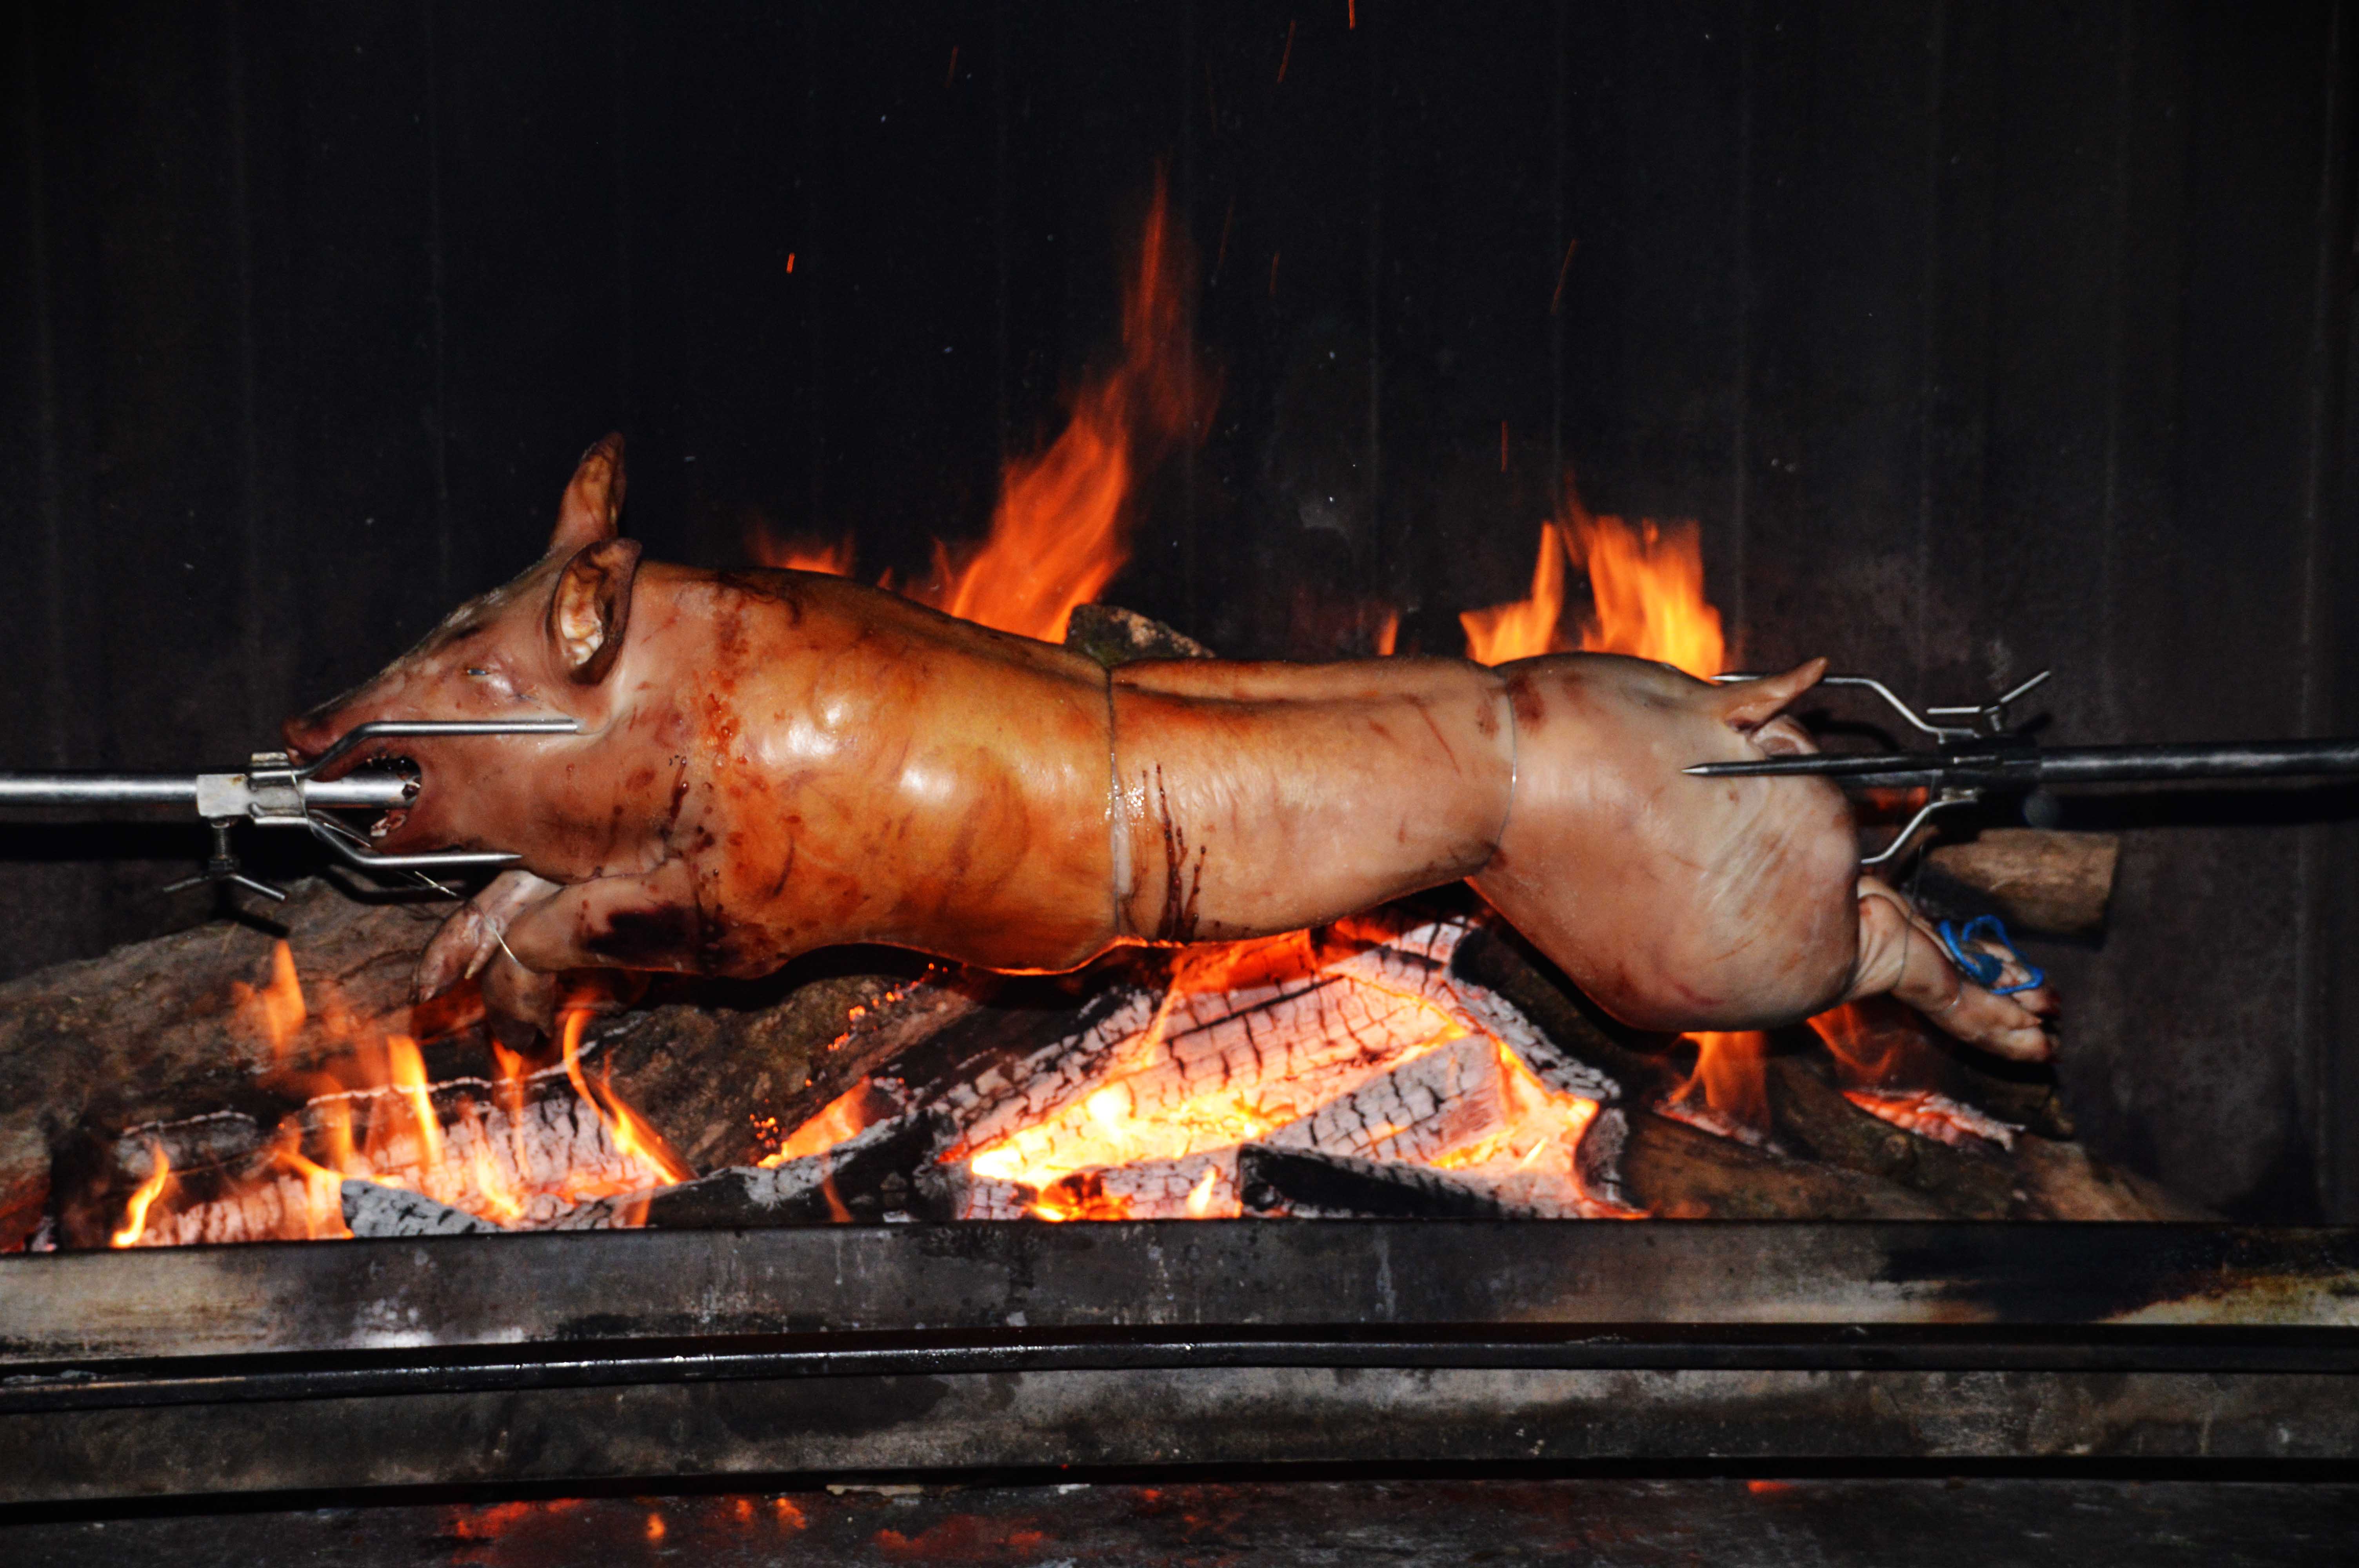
401,766
382,760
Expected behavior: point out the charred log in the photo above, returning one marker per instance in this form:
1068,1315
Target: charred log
374,1210
1677,1172
1813,1118
1301,1184
723,1078
1114,636
888,1173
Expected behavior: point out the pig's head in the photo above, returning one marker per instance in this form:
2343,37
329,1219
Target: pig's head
543,646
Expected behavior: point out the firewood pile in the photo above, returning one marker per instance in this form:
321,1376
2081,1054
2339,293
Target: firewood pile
246,1082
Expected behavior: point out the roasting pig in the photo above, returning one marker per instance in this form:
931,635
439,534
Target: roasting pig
772,762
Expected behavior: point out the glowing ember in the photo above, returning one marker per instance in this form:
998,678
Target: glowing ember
1935,1115
1355,1042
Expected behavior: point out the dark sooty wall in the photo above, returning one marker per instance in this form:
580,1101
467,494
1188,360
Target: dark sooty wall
1979,338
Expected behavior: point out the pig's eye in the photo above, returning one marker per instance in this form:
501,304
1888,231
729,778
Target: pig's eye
477,672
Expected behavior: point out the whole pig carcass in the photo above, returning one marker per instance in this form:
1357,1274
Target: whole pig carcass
772,762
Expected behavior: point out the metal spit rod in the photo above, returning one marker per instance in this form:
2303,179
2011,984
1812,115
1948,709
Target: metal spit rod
382,791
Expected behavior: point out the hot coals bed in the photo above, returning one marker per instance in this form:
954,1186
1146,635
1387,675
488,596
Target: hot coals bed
820,1250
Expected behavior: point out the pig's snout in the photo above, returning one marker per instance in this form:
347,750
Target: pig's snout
309,734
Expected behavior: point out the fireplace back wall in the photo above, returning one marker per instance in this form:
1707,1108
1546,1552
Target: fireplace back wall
1978,337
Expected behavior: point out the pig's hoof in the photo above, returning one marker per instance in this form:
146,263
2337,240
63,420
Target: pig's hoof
456,952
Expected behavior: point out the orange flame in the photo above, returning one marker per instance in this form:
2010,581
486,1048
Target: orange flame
1528,627
1731,1078
1647,584
1866,1055
800,554
1059,530
839,1119
406,1071
135,1214
276,1010
631,1134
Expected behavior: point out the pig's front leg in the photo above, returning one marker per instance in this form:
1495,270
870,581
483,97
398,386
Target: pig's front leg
645,922
472,937
1899,954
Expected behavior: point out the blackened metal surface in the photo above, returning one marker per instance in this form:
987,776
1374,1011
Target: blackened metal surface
533,1289
1175,1416
834,1348
1737,1522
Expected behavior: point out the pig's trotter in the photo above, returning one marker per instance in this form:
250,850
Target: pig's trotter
473,936
520,1005
1900,955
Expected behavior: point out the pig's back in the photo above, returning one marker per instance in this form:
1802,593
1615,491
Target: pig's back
872,771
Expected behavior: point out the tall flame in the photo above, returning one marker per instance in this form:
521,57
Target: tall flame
1731,1078
1060,528
1527,627
406,1071
275,1011
1647,585
1648,582
135,1214
630,1133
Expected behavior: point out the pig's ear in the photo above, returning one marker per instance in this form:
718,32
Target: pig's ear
1748,705
593,507
592,608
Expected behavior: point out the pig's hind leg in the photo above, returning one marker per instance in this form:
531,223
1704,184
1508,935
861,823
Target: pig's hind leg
1899,954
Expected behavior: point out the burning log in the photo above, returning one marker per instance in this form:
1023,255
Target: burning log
723,1083
1813,1118
234,1089
1678,1173
1302,1183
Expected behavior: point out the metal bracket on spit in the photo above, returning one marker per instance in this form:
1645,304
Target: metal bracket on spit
1986,722
273,792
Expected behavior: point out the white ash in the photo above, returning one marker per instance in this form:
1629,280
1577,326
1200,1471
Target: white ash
372,1209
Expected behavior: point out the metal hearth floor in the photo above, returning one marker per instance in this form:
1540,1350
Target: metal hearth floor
580,1360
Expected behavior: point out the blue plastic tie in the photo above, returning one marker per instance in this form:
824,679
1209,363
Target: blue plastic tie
1984,969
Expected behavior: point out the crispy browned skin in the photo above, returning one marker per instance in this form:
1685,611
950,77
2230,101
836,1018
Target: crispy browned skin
775,762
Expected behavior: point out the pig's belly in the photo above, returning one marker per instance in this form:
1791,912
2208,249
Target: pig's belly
1256,799
1675,902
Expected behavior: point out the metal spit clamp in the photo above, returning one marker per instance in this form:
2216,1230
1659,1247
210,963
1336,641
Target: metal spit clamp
270,790
274,792
1970,759
1986,756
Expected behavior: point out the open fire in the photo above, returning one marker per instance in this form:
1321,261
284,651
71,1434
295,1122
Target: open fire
1356,1047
